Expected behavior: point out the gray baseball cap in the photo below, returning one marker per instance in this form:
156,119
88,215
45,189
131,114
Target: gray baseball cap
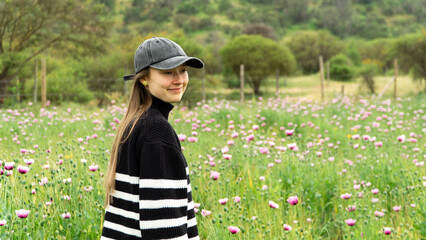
163,54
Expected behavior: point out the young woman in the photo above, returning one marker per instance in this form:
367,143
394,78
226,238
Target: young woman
148,192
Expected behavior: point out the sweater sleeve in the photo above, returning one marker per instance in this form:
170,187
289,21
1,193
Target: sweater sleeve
164,205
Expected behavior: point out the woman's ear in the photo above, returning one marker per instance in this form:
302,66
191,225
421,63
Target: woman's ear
144,82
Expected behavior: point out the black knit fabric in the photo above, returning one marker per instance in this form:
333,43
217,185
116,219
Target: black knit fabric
153,198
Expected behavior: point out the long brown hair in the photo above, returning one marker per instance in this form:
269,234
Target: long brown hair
139,102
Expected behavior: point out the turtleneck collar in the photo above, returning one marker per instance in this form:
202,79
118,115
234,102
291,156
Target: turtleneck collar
161,106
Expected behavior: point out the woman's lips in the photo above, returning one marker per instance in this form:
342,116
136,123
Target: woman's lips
175,89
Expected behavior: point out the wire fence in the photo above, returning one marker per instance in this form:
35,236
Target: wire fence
15,91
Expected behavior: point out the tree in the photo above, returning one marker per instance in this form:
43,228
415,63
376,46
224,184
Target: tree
261,57
341,68
307,46
411,53
29,27
378,51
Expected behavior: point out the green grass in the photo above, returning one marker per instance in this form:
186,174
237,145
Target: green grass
318,181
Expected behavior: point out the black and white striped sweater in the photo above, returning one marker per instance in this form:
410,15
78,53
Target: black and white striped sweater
152,199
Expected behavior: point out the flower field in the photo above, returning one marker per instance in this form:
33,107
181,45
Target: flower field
279,168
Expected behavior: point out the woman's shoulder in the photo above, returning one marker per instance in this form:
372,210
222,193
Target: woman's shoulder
154,127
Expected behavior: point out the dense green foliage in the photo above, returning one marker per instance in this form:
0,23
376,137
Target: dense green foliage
261,57
101,36
307,46
411,52
341,68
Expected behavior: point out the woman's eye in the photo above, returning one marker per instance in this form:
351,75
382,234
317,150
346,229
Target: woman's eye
167,72
184,70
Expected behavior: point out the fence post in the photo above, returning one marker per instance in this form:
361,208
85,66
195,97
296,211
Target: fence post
343,90
18,95
395,63
242,83
35,81
43,82
322,77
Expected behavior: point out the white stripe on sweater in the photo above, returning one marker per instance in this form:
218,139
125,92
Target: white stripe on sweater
106,238
192,222
126,178
123,229
162,183
123,213
187,170
189,188
163,223
165,203
125,196
190,206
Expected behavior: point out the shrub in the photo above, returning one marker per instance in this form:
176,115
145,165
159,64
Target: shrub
341,68
307,46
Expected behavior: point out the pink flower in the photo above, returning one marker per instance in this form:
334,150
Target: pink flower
23,169
401,138
287,227
292,146
350,222
375,191
233,229
249,138
22,213
346,196
273,205
351,208
93,167
3,222
9,165
293,200
396,208
193,139
88,189
223,201
29,161
214,175
387,231
263,150
205,212
237,199
66,215
227,156
289,132
69,180
33,191
182,137
43,181
378,144
379,214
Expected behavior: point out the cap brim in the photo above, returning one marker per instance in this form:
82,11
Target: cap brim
129,77
177,61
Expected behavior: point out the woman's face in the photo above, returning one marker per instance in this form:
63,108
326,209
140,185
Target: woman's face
168,85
